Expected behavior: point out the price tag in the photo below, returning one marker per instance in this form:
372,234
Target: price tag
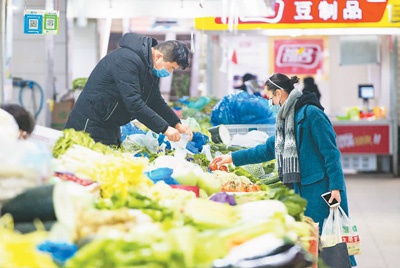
33,21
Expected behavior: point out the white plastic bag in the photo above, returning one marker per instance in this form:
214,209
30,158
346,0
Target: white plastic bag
349,233
330,235
137,141
250,139
339,228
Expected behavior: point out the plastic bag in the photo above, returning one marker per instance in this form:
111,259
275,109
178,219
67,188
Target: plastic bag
330,235
192,124
338,228
27,166
139,141
130,129
265,251
162,174
200,103
242,108
349,234
250,139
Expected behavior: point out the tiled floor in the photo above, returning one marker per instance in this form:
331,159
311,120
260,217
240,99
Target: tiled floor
374,205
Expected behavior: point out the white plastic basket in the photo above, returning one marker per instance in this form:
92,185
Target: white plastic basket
245,128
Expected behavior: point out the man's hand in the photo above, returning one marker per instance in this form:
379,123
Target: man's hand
184,130
172,134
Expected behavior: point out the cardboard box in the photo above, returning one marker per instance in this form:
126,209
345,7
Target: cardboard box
60,114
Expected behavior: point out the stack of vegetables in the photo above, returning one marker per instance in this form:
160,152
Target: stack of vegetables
129,220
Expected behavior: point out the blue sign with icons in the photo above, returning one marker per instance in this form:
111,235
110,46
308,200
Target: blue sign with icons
33,22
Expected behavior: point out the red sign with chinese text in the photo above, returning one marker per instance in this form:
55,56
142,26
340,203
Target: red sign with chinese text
320,11
298,56
363,139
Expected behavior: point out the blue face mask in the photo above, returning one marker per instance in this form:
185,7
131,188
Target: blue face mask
161,73
273,108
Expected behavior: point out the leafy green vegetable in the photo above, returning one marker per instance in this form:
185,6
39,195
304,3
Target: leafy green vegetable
137,201
295,204
79,83
71,136
269,179
242,172
224,149
202,161
269,166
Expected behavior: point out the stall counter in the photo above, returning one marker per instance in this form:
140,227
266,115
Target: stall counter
366,145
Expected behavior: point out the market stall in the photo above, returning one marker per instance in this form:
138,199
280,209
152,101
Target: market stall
365,145
149,203
342,45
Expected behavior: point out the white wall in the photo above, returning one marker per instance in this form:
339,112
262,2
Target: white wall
252,56
339,85
343,80
84,49
30,58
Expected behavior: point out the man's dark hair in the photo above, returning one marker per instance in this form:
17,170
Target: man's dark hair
24,119
175,51
248,77
310,86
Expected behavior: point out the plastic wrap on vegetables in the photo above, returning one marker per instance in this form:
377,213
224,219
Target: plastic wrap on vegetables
223,198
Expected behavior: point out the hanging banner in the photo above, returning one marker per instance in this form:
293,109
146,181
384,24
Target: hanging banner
298,56
302,14
41,21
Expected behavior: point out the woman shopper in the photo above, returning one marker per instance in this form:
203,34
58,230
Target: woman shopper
307,157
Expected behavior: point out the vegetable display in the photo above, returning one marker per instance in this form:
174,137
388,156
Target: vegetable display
134,218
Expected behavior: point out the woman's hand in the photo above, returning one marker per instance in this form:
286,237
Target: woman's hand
335,194
184,130
222,160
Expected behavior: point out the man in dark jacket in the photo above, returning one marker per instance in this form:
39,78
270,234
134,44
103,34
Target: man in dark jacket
124,86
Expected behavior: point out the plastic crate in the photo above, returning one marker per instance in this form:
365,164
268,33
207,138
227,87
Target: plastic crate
245,128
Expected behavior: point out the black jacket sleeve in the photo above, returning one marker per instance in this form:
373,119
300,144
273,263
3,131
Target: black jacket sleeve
127,72
158,104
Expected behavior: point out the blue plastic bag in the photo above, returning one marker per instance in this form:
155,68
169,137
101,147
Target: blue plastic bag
199,103
162,174
129,129
242,108
195,146
60,251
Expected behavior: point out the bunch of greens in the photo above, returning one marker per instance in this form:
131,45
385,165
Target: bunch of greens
201,160
135,200
242,172
71,137
79,83
223,148
269,166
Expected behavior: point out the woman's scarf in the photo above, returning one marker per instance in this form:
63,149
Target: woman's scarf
286,155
